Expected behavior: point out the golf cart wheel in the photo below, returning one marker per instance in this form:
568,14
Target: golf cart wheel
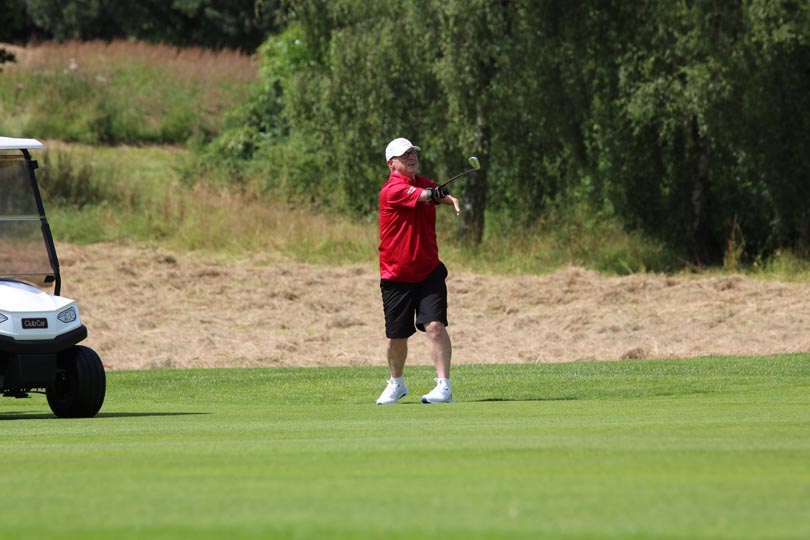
79,389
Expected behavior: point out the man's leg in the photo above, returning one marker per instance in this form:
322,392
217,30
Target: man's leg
441,350
397,353
395,389
398,305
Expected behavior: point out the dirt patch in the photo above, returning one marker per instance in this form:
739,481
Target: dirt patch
148,308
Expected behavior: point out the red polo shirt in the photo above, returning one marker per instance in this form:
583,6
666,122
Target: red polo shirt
408,248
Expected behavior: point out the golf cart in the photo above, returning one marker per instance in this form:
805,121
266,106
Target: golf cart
39,330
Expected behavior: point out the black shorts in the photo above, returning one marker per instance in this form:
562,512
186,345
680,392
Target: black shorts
425,301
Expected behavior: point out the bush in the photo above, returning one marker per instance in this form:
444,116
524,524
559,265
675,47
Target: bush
67,181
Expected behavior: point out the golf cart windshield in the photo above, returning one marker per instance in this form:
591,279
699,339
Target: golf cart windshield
25,245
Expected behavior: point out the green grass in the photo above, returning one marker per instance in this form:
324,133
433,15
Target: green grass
714,448
121,92
142,198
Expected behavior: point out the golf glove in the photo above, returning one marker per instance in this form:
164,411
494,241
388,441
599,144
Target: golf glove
434,194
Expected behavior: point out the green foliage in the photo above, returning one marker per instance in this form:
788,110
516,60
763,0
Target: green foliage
652,113
784,266
69,181
115,94
692,115
15,25
95,194
681,126
258,129
701,449
241,24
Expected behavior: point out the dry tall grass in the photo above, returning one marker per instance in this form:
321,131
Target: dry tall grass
190,63
211,219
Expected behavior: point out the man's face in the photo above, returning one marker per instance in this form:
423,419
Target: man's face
406,164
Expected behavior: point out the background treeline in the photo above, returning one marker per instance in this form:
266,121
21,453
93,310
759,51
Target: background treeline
238,24
687,122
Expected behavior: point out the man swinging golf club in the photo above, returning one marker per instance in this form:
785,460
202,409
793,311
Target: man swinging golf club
411,275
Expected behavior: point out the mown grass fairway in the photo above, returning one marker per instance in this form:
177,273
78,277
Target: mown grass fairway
710,448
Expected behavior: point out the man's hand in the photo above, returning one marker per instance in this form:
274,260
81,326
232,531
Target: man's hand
449,199
434,194
441,195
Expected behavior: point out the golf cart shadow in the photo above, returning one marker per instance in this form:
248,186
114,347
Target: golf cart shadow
21,415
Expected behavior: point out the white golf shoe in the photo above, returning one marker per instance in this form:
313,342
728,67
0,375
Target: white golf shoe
393,392
440,394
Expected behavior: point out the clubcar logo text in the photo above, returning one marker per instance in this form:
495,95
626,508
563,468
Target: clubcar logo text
31,324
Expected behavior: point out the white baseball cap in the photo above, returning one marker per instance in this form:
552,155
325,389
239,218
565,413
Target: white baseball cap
397,147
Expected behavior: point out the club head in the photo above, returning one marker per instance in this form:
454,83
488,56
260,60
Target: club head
474,163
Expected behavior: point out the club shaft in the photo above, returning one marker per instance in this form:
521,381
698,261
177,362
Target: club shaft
456,177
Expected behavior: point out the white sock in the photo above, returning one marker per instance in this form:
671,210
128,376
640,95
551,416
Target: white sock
444,382
399,380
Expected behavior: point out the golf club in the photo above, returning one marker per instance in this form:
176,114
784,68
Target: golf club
474,163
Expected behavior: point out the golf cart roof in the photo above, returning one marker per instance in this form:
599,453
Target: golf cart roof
13,143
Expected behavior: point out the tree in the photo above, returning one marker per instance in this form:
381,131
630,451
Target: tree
687,120
467,70
699,85
774,128
242,24
369,81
